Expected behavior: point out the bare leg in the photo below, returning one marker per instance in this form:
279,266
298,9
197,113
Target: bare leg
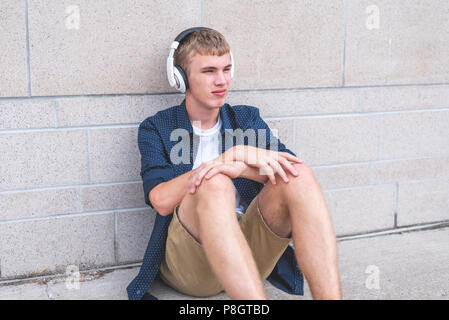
209,215
299,207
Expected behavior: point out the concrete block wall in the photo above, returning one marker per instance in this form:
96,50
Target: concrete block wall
358,89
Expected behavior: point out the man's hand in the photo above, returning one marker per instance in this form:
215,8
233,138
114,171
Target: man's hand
269,162
232,169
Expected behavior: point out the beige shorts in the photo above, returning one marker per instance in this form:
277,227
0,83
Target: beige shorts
186,269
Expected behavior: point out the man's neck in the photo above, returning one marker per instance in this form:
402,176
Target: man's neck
201,116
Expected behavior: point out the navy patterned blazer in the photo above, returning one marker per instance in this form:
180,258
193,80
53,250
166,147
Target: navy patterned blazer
155,145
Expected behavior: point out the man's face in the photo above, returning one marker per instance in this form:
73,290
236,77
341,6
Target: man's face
209,79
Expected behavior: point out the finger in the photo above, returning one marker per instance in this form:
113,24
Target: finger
212,172
289,166
278,169
268,170
282,172
196,176
291,157
202,172
190,184
191,187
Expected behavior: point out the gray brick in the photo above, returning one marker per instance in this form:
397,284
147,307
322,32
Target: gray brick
38,203
339,139
405,98
362,209
13,65
133,233
24,114
299,102
400,170
415,134
118,196
112,110
32,248
44,158
423,201
349,175
114,155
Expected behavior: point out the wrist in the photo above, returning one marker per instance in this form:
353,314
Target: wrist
252,173
246,172
237,153
231,154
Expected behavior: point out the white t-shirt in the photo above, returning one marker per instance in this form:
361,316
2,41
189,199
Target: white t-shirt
208,150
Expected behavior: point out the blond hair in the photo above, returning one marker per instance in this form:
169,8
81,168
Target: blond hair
204,42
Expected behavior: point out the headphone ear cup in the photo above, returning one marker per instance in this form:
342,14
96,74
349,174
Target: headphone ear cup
182,83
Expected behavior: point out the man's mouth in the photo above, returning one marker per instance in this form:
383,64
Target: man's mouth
219,93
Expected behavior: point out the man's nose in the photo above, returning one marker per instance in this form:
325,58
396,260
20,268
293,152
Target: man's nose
220,78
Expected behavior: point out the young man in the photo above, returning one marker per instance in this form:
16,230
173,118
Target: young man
226,217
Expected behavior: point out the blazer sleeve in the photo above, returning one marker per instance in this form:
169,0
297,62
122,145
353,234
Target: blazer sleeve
271,142
155,164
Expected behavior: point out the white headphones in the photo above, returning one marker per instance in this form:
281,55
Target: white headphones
176,76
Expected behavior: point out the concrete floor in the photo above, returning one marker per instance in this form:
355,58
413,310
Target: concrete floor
411,265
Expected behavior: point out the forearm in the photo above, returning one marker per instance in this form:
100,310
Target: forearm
240,153
249,154
168,194
235,153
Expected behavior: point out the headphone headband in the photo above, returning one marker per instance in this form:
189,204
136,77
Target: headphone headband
176,76
186,32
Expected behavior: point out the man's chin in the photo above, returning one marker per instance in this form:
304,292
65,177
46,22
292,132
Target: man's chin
219,101
216,103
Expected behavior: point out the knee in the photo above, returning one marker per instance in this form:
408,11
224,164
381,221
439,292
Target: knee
302,169
305,179
212,193
216,185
